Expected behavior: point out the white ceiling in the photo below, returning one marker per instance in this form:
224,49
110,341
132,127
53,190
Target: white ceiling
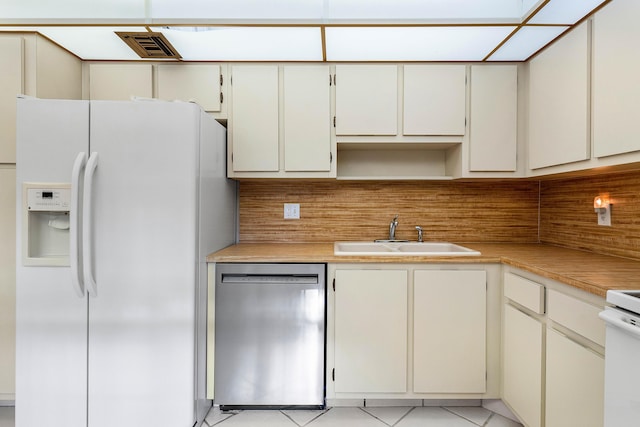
305,30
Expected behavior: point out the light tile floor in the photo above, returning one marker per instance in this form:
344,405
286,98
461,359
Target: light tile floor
362,417
468,416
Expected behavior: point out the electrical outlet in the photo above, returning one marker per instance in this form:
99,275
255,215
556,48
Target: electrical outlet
292,211
604,216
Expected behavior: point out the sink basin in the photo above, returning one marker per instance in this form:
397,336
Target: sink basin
402,249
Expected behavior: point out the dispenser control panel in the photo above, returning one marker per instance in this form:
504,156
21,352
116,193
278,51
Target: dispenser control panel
48,199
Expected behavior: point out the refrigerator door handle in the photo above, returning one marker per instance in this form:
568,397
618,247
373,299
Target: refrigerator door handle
87,225
74,230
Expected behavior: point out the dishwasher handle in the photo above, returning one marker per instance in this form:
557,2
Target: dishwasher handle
615,318
269,279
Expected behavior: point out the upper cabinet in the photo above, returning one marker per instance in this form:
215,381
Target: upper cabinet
409,100
199,83
280,122
434,100
493,128
616,66
120,82
366,99
253,133
11,84
34,66
559,102
307,119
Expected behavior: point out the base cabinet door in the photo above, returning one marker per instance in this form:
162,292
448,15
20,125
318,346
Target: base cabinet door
371,331
449,332
574,384
522,365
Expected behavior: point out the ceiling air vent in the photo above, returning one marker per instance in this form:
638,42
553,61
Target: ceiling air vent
149,45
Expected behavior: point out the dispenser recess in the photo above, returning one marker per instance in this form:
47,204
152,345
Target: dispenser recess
45,231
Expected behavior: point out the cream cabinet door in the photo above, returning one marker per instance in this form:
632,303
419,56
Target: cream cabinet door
254,118
616,66
366,99
574,384
449,331
199,83
371,331
11,84
559,102
120,82
522,365
434,99
493,127
307,118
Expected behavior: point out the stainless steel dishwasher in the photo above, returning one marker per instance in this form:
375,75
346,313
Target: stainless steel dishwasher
270,335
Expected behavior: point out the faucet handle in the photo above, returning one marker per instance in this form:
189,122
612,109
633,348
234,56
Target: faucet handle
419,233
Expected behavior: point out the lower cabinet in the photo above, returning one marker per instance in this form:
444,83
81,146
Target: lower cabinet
371,331
449,331
522,365
553,363
575,384
409,332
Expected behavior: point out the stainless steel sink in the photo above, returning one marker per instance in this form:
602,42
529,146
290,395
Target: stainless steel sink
402,249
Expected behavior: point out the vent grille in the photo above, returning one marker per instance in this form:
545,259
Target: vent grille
149,45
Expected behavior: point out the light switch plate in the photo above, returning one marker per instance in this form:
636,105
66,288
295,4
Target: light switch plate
292,211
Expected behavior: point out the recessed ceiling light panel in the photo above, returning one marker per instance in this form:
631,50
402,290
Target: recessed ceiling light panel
566,12
526,42
248,43
413,43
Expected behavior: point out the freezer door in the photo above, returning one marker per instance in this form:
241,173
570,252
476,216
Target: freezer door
51,319
144,244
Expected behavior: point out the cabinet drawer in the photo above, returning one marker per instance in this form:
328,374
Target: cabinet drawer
577,315
525,292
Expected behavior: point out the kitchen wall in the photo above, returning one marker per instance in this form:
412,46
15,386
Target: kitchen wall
472,211
567,217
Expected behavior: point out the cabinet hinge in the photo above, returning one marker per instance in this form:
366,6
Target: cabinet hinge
334,121
221,79
333,375
221,98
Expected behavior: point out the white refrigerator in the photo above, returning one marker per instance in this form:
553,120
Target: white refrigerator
111,327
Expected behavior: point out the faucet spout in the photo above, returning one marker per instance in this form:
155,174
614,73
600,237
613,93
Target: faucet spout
392,228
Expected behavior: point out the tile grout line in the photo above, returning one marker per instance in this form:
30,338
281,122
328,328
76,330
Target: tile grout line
308,422
371,415
488,419
405,415
465,418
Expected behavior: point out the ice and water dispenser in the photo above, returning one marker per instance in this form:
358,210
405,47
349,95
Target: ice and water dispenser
45,234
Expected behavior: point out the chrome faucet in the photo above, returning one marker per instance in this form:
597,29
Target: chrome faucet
419,233
392,228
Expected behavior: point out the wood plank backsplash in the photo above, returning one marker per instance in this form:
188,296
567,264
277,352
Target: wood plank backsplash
567,217
471,211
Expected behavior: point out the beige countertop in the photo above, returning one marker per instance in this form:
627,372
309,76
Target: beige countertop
588,271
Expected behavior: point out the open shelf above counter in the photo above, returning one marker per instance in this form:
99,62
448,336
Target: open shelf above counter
395,161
